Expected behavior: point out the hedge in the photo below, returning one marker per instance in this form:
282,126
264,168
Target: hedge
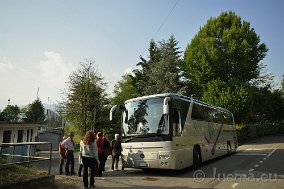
248,131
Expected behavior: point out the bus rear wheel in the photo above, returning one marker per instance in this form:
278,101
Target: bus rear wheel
196,158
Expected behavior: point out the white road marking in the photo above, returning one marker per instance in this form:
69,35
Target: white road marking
260,161
271,152
250,154
256,165
251,170
235,185
260,149
264,158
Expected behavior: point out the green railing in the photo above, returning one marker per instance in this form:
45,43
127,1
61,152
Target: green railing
23,153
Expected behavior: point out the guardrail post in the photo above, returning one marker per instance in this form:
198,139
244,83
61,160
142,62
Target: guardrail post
50,156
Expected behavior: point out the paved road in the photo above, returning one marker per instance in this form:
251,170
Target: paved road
258,164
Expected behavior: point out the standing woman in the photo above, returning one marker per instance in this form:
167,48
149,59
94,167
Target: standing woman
100,143
116,152
106,149
89,151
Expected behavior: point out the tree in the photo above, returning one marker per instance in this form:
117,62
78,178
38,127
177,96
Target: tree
35,112
226,48
11,113
222,64
164,71
160,73
282,84
124,90
1,116
85,104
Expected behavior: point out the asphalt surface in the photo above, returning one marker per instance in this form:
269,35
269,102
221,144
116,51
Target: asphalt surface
258,164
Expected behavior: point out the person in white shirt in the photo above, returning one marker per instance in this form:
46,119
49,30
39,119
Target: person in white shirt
89,151
69,144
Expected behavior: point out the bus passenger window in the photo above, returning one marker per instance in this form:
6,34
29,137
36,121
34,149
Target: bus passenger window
176,122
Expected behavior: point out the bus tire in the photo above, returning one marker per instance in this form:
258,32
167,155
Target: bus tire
229,149
196,158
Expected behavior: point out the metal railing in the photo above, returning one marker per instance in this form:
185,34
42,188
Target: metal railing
28,155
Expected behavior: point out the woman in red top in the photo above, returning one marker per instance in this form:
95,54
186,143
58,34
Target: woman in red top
100,143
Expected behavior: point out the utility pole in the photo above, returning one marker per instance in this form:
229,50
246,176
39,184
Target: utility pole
37,93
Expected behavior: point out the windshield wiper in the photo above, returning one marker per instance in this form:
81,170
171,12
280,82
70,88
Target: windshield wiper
148,135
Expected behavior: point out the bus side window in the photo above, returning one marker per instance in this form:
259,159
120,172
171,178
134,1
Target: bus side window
176,122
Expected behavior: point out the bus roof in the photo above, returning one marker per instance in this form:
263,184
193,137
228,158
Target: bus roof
177,96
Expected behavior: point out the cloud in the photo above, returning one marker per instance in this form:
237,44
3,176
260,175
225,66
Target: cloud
129,71
6,65
54,69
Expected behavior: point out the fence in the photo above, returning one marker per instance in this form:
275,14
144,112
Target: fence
23,153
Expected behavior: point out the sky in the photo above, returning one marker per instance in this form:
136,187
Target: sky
42,42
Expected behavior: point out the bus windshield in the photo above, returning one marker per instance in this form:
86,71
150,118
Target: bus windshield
145,118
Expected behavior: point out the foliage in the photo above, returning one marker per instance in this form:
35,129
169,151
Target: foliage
268,106
124,90
35,112
222,64
77,133
225,48
249,131
86,103
1,116
236,98
164,71
282,84
159,74
10,113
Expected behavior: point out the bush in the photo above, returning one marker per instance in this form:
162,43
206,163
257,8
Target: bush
248,131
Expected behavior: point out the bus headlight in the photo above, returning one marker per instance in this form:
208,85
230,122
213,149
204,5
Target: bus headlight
164,156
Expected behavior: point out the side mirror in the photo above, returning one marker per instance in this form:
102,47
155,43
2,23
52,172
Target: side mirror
111,112
166,108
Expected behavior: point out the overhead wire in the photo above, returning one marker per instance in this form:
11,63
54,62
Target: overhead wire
163,23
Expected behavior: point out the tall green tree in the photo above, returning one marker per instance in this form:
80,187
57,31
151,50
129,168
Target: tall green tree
11,113
164,71
35,112
141,76
86,102
160,73
225,48
222,64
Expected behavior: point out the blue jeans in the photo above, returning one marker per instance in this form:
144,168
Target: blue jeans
69,161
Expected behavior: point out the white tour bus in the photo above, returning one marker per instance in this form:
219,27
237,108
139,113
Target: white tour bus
169,131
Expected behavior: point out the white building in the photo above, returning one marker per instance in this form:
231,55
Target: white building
18,132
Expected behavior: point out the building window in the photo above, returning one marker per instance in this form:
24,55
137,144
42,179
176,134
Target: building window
20,135
31,138
28,135
7,136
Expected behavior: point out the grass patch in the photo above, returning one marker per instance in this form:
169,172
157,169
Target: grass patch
11,174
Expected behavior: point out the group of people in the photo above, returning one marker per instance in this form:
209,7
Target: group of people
94,151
